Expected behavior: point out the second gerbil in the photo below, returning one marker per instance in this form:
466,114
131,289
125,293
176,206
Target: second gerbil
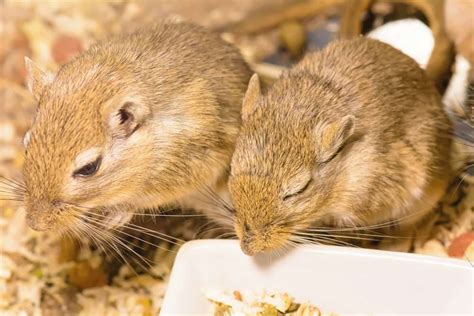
354,135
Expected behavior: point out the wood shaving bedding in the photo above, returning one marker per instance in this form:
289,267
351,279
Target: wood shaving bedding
40,273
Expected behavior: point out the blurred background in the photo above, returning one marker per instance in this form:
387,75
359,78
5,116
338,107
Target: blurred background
42,274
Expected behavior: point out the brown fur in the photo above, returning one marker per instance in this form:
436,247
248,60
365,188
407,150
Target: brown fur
184,87
363,97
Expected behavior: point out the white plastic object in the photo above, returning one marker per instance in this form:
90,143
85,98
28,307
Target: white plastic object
411,36
336,279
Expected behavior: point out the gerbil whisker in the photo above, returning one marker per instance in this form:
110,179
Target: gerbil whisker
119,255
154,233
11,193
6,180
9,189
75,234
143,214
387,224
141,229
292,244
300,240
226,235
11,199
162,213
336,241
212,199
148,242
461,180
169,215
95,236
107,249
219,201
277,252
94,221
212,229
200,229
101,244
120,241
322,240
10,196
101,237
332,235
349,233
114,249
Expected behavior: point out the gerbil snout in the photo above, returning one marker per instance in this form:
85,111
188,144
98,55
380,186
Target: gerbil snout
248,249
254,243
41,215
260,217
266,238
250,243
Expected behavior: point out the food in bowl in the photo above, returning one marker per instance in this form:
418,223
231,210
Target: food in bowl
260,304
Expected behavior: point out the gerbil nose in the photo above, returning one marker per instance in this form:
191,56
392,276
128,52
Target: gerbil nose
247,248
250,244
40,215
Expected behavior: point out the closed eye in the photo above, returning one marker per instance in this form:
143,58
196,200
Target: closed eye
332,156
89,169
286,197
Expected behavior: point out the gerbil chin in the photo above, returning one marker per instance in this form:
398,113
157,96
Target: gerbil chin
352,137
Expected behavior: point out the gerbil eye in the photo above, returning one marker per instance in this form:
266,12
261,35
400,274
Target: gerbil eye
124,115
332,156
89,169
288,196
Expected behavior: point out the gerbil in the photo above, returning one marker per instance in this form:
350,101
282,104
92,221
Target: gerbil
138,121
353,135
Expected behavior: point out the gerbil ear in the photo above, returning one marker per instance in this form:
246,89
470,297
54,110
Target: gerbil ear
332,137
251,96
36,79
126,117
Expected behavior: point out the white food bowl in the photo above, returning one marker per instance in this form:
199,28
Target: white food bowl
336,279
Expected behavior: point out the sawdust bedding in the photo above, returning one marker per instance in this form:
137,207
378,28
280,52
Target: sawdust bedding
43,274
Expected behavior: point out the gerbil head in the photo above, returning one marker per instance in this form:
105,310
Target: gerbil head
286,168
85,145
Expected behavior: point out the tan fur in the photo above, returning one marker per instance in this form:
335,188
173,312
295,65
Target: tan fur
185,85
393,164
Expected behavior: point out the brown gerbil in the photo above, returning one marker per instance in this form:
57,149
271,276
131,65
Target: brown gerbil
354,135
138,121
